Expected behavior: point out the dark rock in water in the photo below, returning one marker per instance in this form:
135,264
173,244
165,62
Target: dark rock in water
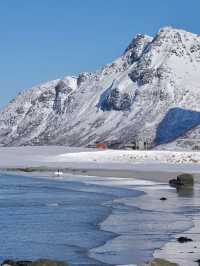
40,262
184,239
182,180
163,198
175,183
198,261
161,262
186,179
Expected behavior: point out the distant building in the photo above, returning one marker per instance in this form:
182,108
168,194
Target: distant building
114,144
101,146
91,146
139,144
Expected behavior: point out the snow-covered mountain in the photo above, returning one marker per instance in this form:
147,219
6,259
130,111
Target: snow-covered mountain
151,92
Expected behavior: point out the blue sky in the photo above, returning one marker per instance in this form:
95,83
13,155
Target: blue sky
42,40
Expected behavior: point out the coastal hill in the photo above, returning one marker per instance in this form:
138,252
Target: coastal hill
151,92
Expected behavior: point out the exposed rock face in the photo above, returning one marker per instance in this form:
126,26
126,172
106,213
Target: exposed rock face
151,91
115,100
137,47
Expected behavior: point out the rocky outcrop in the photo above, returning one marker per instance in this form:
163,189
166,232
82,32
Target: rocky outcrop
117,101
184,239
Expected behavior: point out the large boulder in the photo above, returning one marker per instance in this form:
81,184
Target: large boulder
186,180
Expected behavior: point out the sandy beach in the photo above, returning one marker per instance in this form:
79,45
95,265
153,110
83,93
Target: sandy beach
146,175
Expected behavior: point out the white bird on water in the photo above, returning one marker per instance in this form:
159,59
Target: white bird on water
58,173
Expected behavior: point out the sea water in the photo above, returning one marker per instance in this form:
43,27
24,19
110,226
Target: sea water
88,220
41,218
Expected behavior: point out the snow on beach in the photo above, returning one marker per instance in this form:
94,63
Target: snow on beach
131,160
62,157
130,156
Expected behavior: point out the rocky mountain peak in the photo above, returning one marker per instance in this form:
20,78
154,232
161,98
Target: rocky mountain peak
177,42
133,97
137,46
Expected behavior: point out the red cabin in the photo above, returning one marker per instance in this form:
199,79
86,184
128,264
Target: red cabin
101,146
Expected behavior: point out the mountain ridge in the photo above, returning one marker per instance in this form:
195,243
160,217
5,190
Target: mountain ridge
123,101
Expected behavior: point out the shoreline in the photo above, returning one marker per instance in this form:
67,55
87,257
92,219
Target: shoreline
82,249
99,226
78,161
152,173
126,184
127,170
170,237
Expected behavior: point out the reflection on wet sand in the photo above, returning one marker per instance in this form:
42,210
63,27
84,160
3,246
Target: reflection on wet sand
185,192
